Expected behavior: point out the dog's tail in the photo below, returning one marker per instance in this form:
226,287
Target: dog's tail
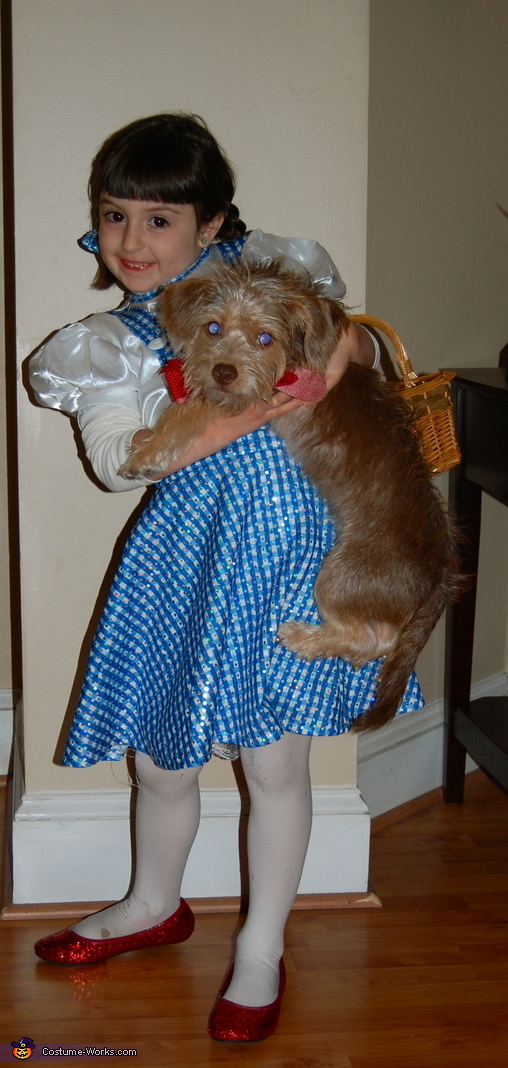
400,662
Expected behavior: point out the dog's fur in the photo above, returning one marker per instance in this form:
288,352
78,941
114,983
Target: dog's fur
383,586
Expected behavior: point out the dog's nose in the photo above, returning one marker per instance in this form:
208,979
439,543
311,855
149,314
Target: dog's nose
224,373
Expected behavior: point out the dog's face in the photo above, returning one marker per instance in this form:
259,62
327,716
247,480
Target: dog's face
238,329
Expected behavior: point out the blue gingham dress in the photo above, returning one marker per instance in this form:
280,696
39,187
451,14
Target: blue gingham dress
186,656
186,652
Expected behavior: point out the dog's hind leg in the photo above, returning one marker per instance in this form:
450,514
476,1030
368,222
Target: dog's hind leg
356,641
346,631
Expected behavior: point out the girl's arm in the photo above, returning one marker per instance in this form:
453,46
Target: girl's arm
99,373
108,430
78,365
226,429
357,345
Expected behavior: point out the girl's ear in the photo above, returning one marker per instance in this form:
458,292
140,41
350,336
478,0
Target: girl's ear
181,305
207,231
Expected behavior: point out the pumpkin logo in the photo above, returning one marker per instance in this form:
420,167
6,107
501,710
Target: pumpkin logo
22,1050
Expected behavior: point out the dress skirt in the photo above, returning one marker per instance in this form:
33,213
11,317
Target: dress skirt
186,654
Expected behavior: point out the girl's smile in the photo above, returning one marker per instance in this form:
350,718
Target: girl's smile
147,243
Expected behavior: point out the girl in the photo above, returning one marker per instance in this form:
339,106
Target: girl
185,661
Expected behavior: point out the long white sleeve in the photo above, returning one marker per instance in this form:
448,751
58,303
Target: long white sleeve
107,432
109,379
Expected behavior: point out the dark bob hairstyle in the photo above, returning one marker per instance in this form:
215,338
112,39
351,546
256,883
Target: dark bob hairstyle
172,159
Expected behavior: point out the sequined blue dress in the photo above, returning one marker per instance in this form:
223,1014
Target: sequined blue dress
185,657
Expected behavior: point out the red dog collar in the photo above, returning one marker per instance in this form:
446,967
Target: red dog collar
300,382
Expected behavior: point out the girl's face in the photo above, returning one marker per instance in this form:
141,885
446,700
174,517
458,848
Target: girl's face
146,243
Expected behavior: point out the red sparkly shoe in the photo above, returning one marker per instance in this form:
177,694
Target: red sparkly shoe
67,947
230,1022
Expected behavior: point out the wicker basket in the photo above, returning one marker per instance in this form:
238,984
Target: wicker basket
429,397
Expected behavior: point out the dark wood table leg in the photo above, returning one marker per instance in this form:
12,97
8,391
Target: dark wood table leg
465,503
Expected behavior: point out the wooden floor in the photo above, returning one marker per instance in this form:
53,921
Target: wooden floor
420,983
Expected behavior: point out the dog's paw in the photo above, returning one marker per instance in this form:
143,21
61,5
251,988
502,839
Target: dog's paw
151,473
301,638
146,461
136,467
125,471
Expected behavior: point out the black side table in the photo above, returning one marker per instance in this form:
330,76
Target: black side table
479,727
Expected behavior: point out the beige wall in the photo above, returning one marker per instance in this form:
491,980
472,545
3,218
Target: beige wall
283,84
437,251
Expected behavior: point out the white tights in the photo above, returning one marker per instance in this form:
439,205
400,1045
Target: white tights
167,819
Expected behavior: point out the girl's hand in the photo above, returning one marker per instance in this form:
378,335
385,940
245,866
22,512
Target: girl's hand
357,345
226,429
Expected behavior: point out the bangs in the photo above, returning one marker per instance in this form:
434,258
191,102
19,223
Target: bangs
154,168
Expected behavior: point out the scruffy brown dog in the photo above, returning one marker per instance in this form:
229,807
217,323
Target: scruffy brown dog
383,586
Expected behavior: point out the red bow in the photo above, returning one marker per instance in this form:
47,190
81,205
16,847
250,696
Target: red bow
300,382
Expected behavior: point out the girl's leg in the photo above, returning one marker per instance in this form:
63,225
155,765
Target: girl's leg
280,820
167,819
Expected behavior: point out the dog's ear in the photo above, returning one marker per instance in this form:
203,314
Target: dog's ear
318,323
181,304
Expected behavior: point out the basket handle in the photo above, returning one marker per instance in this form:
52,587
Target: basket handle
409,376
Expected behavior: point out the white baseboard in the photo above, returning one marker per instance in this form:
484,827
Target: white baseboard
70,846
76,846
405,759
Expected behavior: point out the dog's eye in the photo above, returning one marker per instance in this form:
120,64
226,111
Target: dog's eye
213,328
265,339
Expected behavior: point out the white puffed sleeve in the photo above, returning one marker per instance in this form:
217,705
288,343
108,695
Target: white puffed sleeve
106,377
93,362
298,251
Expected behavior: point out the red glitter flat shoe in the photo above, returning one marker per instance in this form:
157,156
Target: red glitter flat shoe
67,947
230,1022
